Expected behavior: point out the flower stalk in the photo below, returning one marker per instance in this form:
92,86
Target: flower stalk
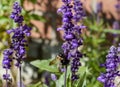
65,77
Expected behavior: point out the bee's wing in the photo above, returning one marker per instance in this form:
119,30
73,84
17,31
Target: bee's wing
55,60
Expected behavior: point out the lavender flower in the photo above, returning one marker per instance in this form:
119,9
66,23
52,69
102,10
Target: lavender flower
72,30
19,41
78,9
7,62
116,25
99,7
15,15
53,77
111,65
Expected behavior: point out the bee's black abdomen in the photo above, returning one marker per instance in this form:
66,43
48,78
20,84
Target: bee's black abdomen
64,60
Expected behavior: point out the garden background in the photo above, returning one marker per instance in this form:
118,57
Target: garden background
103,24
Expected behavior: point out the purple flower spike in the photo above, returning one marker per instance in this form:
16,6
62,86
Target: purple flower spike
18,42
78,9
20,33
15,15
72,13
111,65
6,76
6,63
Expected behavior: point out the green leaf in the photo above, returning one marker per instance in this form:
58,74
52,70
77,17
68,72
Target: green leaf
82,81
113,31
3,20
83,71
69,82
44,65
60,81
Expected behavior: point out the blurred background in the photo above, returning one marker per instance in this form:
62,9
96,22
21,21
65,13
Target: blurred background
103,24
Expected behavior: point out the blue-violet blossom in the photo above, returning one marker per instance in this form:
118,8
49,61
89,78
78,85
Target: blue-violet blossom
19,40
118,6
72,15
7,62
111,65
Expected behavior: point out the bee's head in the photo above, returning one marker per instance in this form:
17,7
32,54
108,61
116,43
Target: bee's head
62,55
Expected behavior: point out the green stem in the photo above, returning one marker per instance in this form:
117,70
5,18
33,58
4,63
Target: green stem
65,79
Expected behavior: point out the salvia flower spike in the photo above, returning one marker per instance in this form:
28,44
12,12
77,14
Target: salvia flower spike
18,40
7,62
72,15
111,65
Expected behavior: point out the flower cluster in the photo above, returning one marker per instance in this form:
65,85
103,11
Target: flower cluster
111,65
72,13
15,15
7,62
78,10
116,25
19,40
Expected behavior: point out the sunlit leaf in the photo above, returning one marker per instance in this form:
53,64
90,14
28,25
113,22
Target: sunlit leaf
44,65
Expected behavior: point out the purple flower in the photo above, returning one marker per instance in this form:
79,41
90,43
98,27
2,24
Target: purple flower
72,13
78,10
111,65
6,63
7,58
99,7
18,41
15,15
118,6
6,76
116,25
53,77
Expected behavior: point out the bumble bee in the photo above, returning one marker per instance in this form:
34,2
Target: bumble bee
61,57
